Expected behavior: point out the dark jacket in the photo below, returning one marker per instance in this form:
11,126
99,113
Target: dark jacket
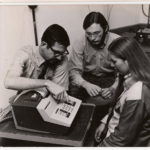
133,128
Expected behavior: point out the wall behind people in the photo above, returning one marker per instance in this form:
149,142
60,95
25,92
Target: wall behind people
125,15
70,17
15,30
16,27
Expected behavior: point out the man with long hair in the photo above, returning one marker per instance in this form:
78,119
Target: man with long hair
92,78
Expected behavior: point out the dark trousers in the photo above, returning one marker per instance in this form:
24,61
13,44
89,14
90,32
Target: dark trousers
102,105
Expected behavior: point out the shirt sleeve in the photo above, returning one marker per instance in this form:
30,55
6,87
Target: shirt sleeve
19,61
61,74
76,63
131,119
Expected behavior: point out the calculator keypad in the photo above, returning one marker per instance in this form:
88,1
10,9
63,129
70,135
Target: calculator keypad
66,109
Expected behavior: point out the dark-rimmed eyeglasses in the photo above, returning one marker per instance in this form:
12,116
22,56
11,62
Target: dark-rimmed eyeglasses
58,53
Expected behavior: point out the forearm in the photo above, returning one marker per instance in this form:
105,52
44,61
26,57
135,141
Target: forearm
22,83
76,78
76,64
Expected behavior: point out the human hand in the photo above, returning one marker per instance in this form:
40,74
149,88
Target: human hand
92,89
99,131
107,93
62,97
42,91
57,91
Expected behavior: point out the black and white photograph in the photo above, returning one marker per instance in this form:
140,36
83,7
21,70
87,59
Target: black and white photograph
75,74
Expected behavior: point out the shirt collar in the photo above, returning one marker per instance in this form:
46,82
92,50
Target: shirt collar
39,59
129,81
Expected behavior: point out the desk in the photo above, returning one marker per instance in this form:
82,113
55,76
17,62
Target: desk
77,136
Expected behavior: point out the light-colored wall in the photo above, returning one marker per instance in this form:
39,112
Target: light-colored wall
15,31
124,15
142,17
70,17
16,27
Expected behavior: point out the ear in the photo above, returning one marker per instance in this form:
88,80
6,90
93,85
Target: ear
43,43
126,62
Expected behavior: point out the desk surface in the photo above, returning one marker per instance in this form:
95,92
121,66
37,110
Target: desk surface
75,137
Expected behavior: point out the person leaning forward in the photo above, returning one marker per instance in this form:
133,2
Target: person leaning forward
42,67
91,76
128,123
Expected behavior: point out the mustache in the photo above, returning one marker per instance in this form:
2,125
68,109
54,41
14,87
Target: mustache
92,41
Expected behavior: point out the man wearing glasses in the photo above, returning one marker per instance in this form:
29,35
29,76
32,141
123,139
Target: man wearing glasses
91,75
42,67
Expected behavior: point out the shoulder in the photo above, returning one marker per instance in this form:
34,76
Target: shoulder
79,44
113,36
23,52
135,92
26,50
110,37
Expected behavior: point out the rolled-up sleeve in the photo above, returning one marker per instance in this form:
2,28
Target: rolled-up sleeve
76,63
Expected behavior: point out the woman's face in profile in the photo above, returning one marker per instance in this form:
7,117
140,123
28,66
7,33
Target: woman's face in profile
119,64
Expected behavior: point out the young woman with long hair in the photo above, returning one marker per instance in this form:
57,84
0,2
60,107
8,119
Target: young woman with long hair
129,124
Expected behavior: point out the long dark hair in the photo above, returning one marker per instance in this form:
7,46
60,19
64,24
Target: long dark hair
130,50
